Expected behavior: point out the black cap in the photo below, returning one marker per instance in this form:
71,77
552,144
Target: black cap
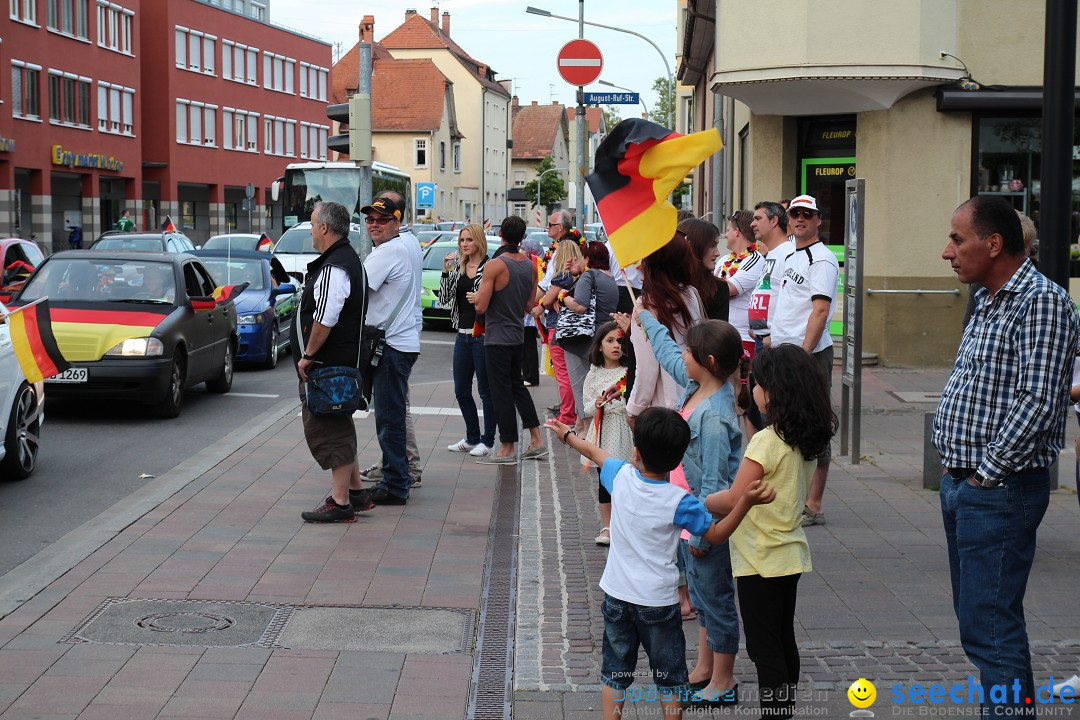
385,206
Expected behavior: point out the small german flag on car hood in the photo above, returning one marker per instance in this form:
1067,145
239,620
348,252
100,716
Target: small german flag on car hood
34,344
637,165
221,296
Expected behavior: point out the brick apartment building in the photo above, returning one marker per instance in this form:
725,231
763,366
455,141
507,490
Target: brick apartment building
166,108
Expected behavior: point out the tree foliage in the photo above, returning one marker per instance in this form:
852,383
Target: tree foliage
552,187
611,116
665,102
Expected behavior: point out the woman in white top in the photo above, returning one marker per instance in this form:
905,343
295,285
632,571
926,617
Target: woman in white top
676,304
741,270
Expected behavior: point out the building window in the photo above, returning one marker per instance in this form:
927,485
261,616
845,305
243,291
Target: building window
239,130
519,178
313,141
744,164
442,154
420,153
68,17
239,62
24,11
258,10
116,109
114,27
456,152
195,50
196,123
279,136
69,99
313,81
26,102
277,72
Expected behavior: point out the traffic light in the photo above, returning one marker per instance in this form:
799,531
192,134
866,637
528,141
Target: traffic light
356,141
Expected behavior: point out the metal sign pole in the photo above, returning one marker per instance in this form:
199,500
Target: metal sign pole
855,193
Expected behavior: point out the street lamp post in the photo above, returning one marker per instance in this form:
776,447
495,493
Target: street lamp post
667,66
539,181
641,98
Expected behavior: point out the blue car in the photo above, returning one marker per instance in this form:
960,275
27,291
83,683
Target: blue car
265,309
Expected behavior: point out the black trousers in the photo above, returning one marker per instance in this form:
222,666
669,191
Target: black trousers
530,365
508,392
767,606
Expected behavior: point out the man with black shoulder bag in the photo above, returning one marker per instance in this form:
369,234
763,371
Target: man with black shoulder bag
325,342
393,270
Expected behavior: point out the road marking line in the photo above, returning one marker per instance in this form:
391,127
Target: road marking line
254,395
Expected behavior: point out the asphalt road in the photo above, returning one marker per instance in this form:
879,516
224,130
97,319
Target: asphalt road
93,453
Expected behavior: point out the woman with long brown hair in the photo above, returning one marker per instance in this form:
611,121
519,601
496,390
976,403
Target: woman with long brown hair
703,237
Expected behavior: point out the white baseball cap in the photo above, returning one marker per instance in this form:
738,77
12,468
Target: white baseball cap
804,201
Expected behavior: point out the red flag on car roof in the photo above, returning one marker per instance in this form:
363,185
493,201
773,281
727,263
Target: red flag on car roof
637,165
221,296
168,226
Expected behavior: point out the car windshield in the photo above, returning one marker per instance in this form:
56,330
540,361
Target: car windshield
433,258
126,242
238,242
102,280
236,272
297,240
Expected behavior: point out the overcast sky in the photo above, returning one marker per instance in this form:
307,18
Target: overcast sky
516,44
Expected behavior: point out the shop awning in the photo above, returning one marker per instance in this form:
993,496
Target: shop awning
1008,98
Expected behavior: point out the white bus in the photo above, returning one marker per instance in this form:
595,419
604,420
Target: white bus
305,184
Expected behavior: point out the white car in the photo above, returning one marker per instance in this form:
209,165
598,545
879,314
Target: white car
22,411
295,248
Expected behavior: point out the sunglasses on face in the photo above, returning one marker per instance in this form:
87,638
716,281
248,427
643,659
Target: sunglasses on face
370,220
554,224
801,212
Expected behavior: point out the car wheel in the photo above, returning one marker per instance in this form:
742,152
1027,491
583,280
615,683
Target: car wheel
223,382
174,395
23,440
272,354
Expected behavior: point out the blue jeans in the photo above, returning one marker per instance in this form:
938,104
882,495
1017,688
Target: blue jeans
390,393
712,591
657,629
469,360
991,538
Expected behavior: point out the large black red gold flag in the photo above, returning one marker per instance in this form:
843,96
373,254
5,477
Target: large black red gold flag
637,166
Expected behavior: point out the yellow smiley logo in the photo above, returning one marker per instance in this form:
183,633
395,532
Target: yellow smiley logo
862,693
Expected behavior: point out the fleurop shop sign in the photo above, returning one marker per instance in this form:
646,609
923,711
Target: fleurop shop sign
97,161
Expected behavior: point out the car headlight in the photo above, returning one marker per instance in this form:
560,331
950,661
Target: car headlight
137,347
249,320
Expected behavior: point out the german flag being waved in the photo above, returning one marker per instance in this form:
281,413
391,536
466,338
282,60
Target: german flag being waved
637,165
222,295
34,344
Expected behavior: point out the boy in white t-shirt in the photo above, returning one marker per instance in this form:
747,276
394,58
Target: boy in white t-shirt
640,581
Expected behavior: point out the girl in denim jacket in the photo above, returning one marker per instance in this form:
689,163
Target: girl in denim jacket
711,356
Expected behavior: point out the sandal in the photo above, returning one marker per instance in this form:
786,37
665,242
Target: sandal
604,538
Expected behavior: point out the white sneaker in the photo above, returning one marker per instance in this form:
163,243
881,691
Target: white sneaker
480,450
461,445
1073,683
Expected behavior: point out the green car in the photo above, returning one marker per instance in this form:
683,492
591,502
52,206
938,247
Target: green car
434,254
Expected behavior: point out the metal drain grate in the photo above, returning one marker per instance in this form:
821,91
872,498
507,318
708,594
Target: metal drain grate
490,692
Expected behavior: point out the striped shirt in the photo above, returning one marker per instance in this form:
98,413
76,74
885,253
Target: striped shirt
331,288
1004,406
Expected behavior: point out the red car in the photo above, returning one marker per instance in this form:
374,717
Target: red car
18,258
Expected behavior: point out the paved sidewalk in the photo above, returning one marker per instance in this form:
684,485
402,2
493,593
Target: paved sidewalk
219,602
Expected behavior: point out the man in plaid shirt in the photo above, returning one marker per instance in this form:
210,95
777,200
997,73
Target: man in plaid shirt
999,427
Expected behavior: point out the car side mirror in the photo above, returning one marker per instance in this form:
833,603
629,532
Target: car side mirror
285,289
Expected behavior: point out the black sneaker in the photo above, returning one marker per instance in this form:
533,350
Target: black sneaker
330,512
382,496
360,500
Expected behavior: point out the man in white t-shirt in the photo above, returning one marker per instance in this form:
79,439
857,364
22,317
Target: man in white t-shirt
770,227
393,270
804,303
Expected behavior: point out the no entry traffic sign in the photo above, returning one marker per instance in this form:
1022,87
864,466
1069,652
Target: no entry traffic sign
580,62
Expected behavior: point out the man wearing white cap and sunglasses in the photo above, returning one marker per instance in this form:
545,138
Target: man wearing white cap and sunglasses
804,304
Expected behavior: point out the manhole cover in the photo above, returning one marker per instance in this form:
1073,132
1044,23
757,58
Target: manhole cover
205,623
120,621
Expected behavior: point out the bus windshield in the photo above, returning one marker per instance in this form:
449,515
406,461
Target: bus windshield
306,186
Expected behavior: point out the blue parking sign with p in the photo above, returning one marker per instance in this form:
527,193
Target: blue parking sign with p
425,196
